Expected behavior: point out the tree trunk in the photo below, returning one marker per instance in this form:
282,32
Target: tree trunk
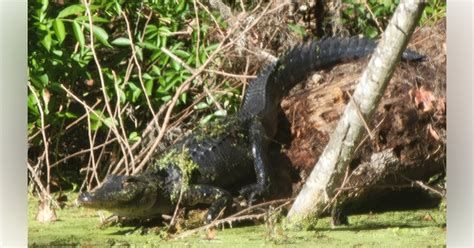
328,174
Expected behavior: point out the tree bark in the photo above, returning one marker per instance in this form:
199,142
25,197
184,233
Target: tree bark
328,174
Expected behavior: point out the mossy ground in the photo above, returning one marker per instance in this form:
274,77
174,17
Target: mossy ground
78,227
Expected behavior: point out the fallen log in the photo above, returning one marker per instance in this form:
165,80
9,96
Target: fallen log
410,123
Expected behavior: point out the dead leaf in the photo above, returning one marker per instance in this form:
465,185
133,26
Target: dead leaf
211,234
433,132
423,99
337,95
89,82
46,96
441,106
427,217
316,78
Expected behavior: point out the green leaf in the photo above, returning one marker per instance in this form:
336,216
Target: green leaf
95,19
181,6
181,53
155,55
109,122
100,34
59,53
117,7
44,5
169,82
165,98
163,41
78,34
211,48
135,91
163,31
32,105
70,115
148,87
46,41
95,124
71,10
206,119
201,105
139,53
44,79
133,137
202,58
147,76
59,30
176,66
371,32
121,41
156,70
121,95
298,29
150,46
183,97
219,112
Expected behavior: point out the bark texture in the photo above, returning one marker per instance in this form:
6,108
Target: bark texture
329,172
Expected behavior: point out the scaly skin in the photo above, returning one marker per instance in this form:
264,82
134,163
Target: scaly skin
230,156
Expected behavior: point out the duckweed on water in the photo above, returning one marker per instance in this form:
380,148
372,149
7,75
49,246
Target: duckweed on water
79,227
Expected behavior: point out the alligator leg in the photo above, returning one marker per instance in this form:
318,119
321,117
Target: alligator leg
338,214
259,144
206,194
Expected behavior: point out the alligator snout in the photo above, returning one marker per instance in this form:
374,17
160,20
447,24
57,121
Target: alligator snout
85,199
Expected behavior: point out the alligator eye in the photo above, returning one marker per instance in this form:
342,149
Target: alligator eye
125,184
128,181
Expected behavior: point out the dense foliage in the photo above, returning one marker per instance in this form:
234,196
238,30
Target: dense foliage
99,72
370,17
60,58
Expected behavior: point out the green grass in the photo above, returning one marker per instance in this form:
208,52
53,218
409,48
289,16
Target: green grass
78,227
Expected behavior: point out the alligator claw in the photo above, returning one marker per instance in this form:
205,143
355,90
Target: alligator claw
252,193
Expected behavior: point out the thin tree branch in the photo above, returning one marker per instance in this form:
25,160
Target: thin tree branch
45,140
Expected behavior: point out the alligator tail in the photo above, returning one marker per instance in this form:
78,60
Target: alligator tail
302,60
276,80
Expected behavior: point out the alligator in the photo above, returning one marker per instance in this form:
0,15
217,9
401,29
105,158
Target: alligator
229,157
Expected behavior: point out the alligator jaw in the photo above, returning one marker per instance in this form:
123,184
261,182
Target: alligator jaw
87,200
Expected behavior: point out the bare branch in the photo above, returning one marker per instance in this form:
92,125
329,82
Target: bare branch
45,140
122,140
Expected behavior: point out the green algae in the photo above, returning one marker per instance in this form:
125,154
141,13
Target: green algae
185,164
228,126
79,227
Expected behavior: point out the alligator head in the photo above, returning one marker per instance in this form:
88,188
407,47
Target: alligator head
128,196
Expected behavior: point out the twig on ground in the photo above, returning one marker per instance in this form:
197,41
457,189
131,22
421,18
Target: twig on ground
175,213
424,186
236,217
